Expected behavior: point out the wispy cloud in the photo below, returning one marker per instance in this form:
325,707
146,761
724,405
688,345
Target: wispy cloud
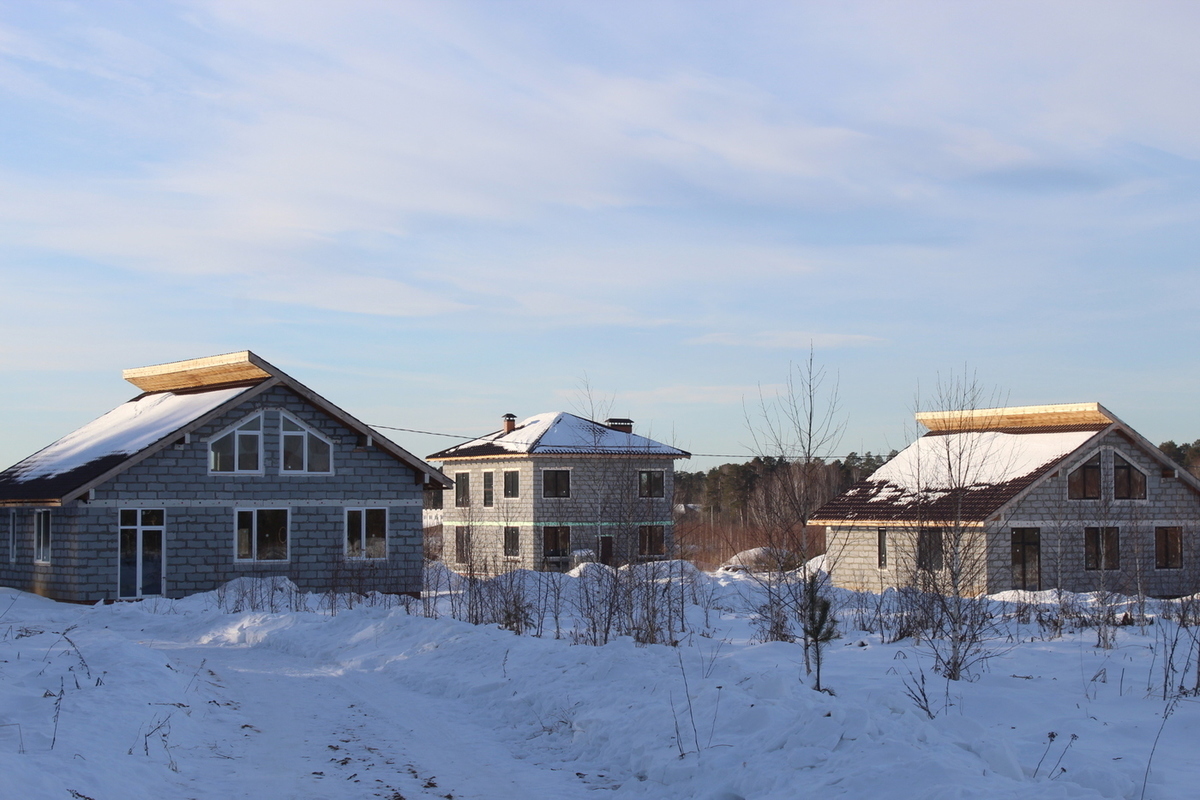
791,340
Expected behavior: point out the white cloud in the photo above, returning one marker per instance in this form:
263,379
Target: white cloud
792,340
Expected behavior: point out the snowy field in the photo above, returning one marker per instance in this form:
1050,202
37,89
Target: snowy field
191,699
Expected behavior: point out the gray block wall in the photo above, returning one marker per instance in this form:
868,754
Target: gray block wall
604,501
1169,502
201,517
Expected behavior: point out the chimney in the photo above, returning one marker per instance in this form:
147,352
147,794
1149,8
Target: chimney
510,422
620,424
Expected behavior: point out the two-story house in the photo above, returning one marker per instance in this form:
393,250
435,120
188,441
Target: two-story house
222,467
556,489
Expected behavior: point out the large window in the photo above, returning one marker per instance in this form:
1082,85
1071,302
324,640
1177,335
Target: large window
556,542
141,539
929,549
303,450
239,450
512,542
1084,483
1101,548
651,483
1168,548
512,483
1129,482
262,534
489,489
881,550
556,483
41,537
652,541
462,544
462,489
366,533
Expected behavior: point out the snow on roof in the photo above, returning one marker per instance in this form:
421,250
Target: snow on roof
558,432
123,431
969,475
976,458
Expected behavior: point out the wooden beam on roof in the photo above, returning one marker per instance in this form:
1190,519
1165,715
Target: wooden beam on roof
982,419
198,372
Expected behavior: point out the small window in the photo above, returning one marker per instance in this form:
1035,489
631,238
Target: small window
462,489
462,544
652,540
929,549
489,489
512,483
881,548
1168,548
1084,483
512,542
262,534
1101,548
433,498
556,542
366,533
1129,482
556,483
239,450
651,483
41,537
303,450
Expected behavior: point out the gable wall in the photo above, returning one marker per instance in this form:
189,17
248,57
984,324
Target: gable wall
200,516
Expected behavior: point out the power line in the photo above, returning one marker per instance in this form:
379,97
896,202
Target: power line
700,455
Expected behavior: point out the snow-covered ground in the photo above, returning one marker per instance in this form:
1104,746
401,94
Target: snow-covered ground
181,699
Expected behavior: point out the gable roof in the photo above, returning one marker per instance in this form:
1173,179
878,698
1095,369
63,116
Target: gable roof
973,463
559,433
182,396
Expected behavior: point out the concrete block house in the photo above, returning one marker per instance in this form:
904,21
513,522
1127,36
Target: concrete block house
554,490
222,467
1040,497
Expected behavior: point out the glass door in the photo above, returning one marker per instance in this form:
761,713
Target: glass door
141,557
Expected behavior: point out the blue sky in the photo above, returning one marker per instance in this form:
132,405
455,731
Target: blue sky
436,213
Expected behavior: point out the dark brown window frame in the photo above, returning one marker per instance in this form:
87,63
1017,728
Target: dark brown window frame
1101,547
556,483
1129,482
652,483
930,549
1083,483
881,549
512,542
1168,547
652,541
462,490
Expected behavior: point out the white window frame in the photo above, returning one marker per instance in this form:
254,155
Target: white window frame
504,484
570,483
233,429
305,431
42,549
362,534
254,559
489,476
141,530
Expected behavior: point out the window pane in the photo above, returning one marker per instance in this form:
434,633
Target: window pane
354,526
271,535
650,483
650,540
462,489
152,562
288,425
512,541
152,517
127,571
512,484
253,425
556,483
247,452
489,493
1168,548
1084,483
376,533
245,534
462,544
293,453
221,454
129,517
881,548
318,454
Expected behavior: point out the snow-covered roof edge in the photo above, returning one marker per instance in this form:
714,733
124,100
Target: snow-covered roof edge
559,433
